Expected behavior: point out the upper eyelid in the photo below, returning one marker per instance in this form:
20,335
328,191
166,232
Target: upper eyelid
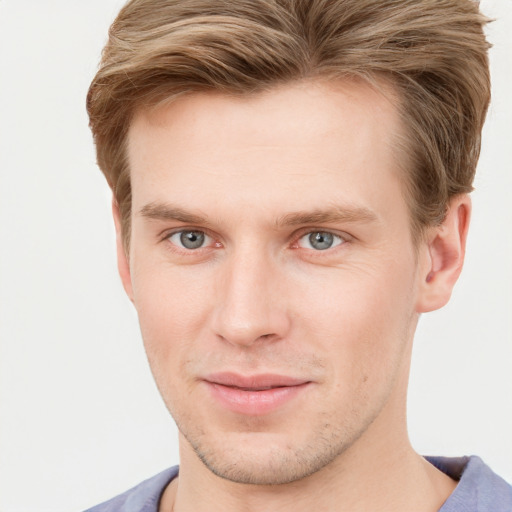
166,233
306,231
342,240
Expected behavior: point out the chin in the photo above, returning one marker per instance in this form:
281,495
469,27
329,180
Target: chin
261,459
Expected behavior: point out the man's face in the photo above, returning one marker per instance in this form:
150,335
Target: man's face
272,268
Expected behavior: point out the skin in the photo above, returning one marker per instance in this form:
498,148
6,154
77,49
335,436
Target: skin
258,175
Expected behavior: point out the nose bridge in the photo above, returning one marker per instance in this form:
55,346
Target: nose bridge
248,308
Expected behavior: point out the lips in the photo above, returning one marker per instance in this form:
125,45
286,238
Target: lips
256,394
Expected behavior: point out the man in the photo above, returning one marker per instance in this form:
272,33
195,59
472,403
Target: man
290,185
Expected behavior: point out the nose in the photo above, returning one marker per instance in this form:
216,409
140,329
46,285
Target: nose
250,305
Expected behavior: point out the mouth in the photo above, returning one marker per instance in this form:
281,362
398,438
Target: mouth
254,395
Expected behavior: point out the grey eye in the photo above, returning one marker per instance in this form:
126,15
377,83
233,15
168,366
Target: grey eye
189,239
320,240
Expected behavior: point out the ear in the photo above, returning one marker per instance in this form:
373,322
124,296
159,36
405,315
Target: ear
123,263
444,252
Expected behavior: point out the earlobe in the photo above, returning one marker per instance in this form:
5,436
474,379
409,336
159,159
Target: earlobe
445,250
123,263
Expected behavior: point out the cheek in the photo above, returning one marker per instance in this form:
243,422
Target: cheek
362,319
173,307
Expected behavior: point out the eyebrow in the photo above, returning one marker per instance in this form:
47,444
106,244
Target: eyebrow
332,215
162,211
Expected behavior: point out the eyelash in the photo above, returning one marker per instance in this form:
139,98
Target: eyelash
167,237
341,239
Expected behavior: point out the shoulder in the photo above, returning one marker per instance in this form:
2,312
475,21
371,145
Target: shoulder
144,497
479,488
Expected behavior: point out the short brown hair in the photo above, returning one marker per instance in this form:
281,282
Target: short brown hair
433,52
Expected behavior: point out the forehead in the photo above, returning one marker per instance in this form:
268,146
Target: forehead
310,105
330,139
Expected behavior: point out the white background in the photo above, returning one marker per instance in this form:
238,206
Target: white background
81,419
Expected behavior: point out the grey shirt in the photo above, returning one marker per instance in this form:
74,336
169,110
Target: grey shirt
479,489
